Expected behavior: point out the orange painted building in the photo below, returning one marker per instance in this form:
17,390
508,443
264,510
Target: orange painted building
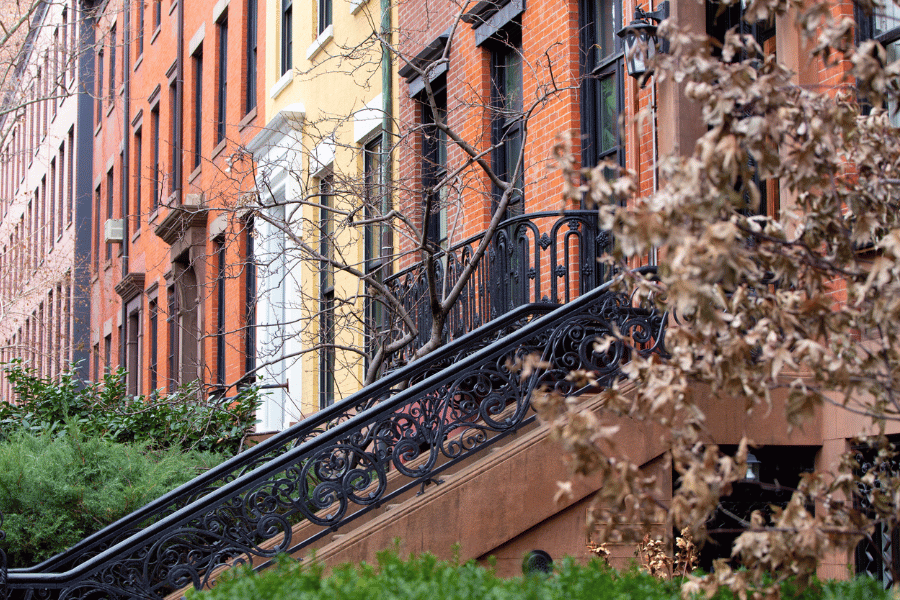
176,97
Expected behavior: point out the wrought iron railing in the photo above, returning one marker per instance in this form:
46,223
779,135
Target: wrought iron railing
360,453
547,257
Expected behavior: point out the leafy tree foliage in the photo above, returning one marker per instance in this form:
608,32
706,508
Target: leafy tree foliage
183,419
803,298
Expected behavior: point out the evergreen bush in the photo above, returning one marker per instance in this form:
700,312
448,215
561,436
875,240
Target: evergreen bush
425,577
57,489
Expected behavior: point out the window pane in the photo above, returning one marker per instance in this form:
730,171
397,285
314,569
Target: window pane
606,119
605,22
886,18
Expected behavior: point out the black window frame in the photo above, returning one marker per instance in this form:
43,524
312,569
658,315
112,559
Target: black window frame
327,354
434,159
222,77
197,63
287,36
219,243
139,38
507,125
867,29
596,70
252,54
378,244
326,15
112,63
154,127
153,362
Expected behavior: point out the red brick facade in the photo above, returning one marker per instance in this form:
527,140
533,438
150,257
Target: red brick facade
158,308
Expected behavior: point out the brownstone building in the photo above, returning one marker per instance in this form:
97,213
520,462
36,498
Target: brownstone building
176,96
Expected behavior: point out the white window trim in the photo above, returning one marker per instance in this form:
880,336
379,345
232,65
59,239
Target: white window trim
324,37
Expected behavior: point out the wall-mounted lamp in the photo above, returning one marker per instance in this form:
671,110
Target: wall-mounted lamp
641,41
753,465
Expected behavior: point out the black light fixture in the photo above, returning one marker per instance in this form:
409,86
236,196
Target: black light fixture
753,465
641,41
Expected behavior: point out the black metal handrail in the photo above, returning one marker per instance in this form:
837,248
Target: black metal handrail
452,413
310,427
546,257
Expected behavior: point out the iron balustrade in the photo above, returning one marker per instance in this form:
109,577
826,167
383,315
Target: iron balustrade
545,257
360,453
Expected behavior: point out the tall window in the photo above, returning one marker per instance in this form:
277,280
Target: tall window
112,63
250,299
154,127
99,87
153,367
221,79
250,101
109,207
139,35
138,175
173,135
198,104
378,243
602,68
287,36
132,350
172,322
434,161
97,235
506,127
326,294
220,312
325,15
883,25
157,14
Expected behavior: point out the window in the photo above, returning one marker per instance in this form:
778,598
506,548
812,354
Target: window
325,15
138,175
154,127
222,80
107,354
70,190
61,194
287,36
883,25
198,104
326,294
109,207
157,13
174,155
99,87
153,367
133,349
172,321
250,298
220,312
434,161
97,201
506,126
112,63
601,93
250,101
378,244
719,20
139,37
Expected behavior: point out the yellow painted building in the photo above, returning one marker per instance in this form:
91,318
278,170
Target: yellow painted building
319,160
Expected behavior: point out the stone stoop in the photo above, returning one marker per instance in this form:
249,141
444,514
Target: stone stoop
501,505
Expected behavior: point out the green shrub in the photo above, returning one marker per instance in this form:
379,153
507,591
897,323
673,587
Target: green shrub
425,577
57,489
183,419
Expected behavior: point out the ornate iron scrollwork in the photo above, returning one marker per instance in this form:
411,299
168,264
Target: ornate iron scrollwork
372,447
